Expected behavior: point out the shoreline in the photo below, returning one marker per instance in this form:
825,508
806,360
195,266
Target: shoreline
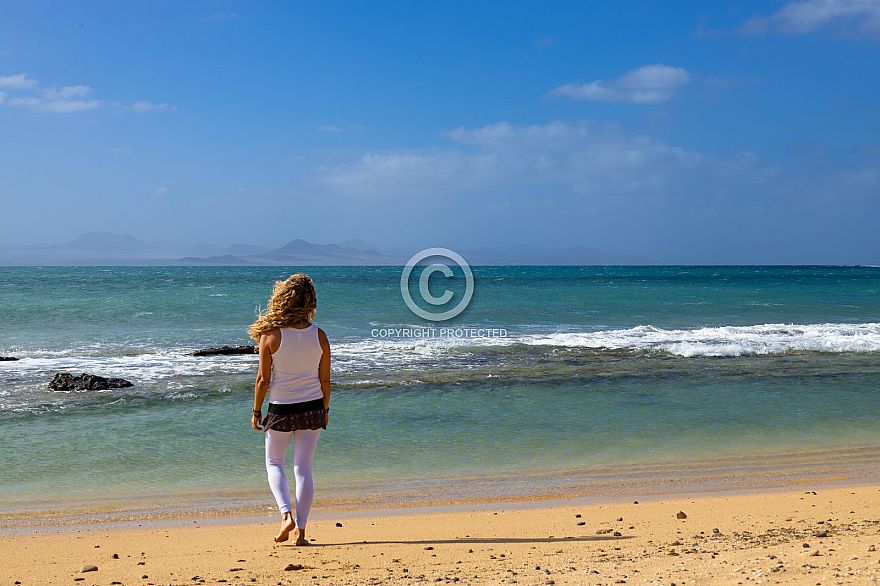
837,468
130,520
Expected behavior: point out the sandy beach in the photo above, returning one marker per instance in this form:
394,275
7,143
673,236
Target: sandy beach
808,535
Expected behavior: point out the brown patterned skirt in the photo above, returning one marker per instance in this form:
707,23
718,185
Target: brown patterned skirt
295,416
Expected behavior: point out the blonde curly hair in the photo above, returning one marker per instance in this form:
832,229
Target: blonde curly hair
293,301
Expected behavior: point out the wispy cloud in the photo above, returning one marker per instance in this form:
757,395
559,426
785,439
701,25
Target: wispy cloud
650,84
17,82
26,92
583,158
332,128
398,173
74,98
142,106
845,18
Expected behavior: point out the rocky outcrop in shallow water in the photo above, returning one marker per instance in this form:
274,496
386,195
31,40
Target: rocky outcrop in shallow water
64,381
7,358
225,350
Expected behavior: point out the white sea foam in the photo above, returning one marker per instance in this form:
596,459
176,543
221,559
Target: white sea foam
176,372
148,367
765,339
369,354
726,340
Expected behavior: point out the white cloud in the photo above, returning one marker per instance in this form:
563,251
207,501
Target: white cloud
17,82
579,158
650,84
401,172
66,99
144,106
851,18
72,98
67,92
63,100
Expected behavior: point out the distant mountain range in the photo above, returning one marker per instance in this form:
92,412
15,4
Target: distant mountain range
105,248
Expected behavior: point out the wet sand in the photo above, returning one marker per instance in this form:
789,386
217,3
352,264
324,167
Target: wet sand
812,534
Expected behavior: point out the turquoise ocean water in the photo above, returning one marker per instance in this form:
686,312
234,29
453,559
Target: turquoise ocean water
579,373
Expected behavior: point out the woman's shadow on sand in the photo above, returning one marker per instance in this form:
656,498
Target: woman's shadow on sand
476,540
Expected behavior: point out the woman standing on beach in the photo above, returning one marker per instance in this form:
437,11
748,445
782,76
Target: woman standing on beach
295,371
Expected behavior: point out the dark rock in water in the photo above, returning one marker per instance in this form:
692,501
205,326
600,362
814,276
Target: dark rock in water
225,350
7,358
64,381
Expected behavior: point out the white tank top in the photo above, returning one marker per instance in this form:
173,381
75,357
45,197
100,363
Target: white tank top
295,367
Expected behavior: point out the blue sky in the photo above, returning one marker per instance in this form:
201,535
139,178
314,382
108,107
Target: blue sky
693,132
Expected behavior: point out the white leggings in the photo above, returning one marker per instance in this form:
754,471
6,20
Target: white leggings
304,443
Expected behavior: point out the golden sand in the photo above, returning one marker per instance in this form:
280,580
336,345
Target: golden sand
810,536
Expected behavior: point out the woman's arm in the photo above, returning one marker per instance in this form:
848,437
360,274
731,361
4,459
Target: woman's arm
324,372
269,342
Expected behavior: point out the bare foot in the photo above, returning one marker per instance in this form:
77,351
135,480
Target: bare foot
287,525
301,537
